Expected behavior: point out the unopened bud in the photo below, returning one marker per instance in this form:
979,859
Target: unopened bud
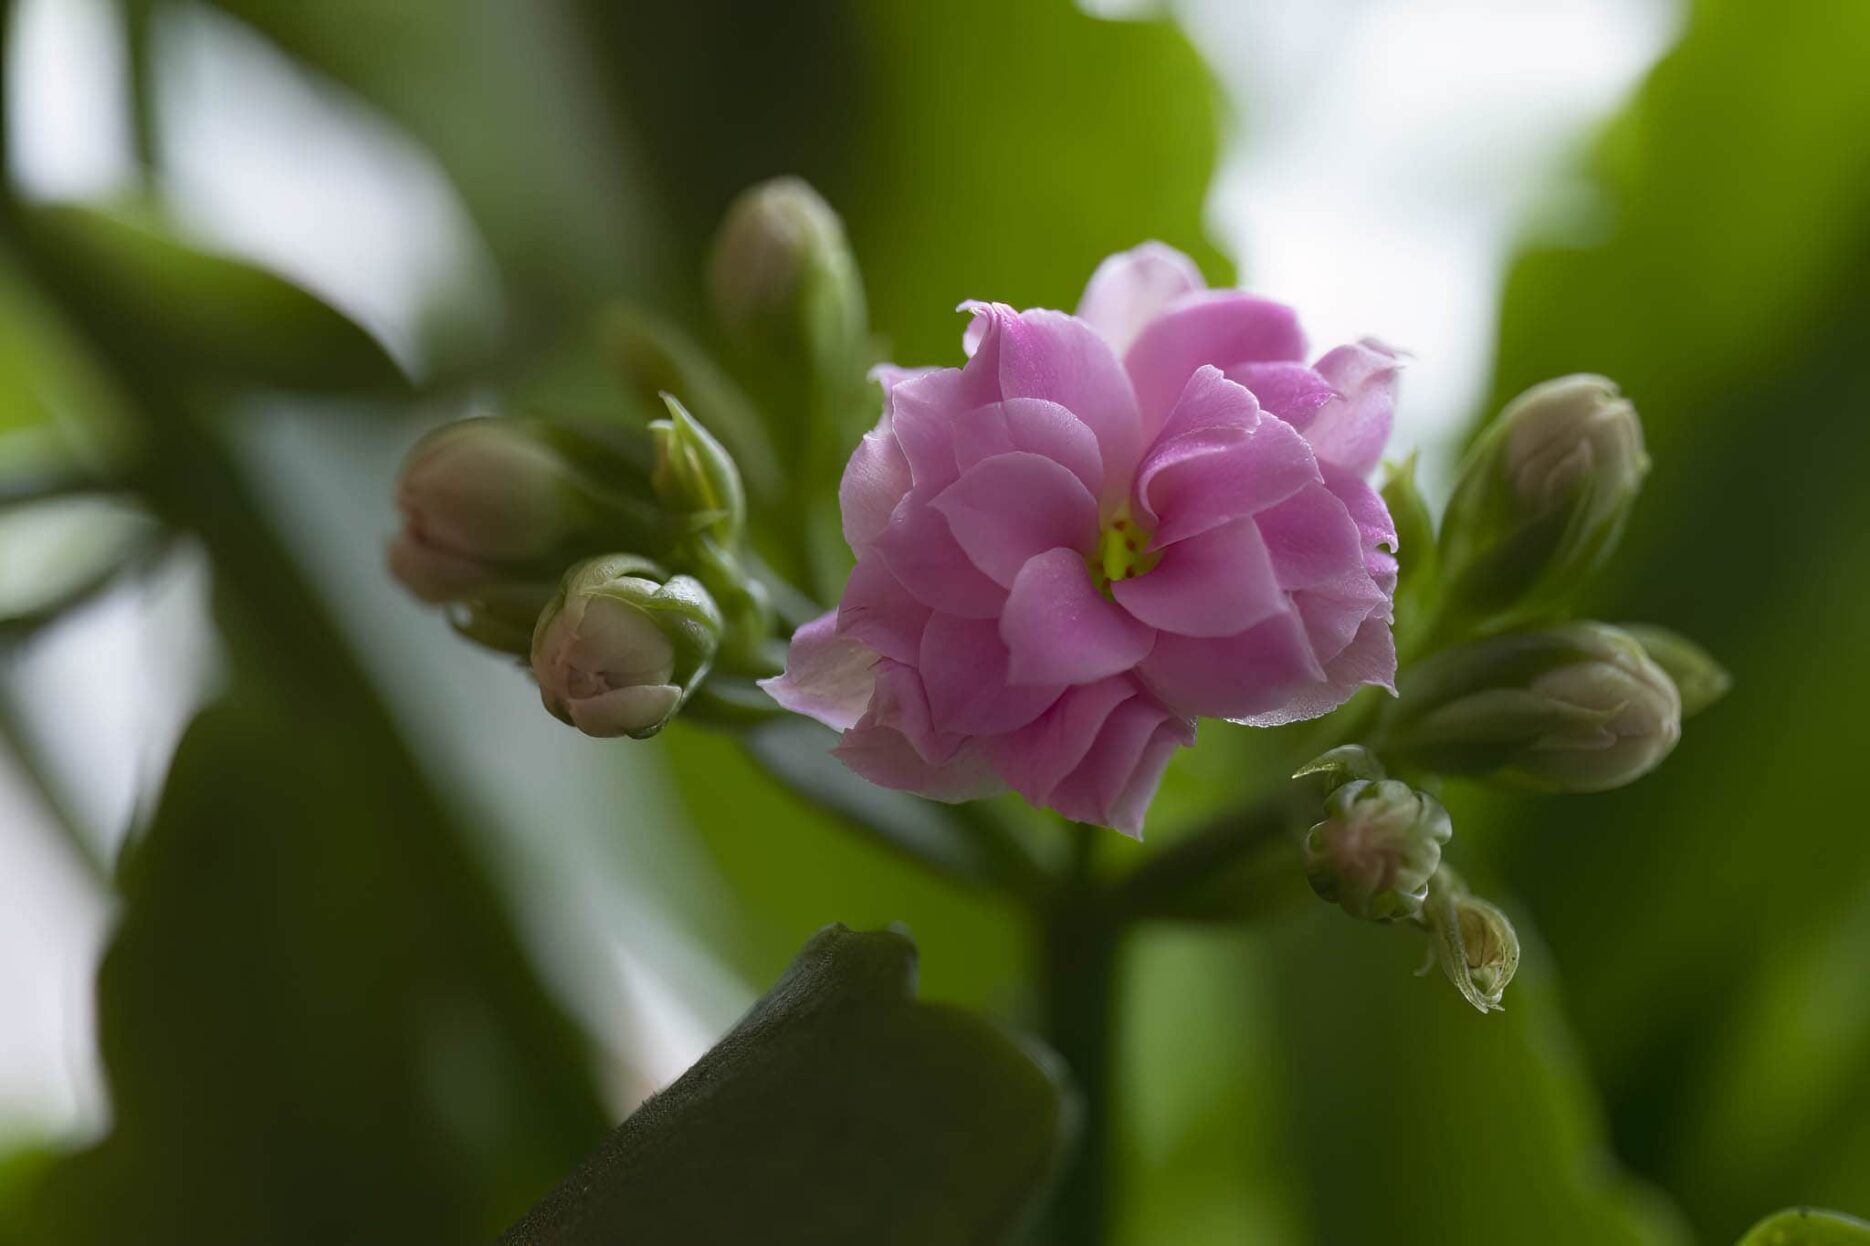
1699,679
1575,708
782,276
1377,848
696,478
1474,943
1541,500
623,645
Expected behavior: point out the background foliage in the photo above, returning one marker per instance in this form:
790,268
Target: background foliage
318,1019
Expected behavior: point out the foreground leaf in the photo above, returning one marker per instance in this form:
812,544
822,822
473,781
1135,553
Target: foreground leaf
1804,1226
838,1110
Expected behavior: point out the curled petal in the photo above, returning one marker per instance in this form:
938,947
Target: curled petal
964,668
875,480
921,414
879,613
1312,538
1119,776
1370,659
1203,479
1036,759
1215,584
1288,389
1221,327
1352,429
920,550
1132,288
828,677
1012,507
1210,400
1059,629
1257,671
1030,424
883,756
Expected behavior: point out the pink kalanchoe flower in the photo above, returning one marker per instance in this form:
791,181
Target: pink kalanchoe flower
1102,527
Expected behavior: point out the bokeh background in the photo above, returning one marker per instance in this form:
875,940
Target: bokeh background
384,949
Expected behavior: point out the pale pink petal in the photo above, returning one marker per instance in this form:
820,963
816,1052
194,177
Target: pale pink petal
1115,782
964,667
1059,629
921,552
900,703
1225,328
1288,389
875,480
1334,613
1370,659
1006,509
1312,538
1037,757
1203,479
828,677
1131,288
1256,672
1352,429
922,412
883,756
1215,584
1029,424
878,612
1047,354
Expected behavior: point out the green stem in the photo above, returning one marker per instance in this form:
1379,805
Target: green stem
1077,955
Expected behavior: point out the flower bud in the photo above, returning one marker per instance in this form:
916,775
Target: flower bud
1341,765
1699,679
1541,500
782,276
482,500
1475,944
1377,848
623,645
1574,708
695,477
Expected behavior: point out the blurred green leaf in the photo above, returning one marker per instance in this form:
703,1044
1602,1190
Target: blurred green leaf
315,1023
838,1110
56,553
58,416
1804,1226
199,311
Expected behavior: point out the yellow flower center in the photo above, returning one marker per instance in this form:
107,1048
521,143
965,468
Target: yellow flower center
1122,551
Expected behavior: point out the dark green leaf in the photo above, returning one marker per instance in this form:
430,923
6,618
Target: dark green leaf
1806,1226
839,1110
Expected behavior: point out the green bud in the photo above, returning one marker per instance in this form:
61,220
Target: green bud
1341,765
782,277
1377,848
623,645
1575,708
1697,676
1541,501
696,478
1474,943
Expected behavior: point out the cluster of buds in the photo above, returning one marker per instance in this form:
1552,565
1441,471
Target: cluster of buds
616,559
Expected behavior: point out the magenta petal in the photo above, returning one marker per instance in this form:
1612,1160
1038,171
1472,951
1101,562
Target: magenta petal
1032,424
1009,508
1256,672
1369,660
1312,538
875,480
1222,327
1203,479
1059,629
964,667
1131,288
878,612
1352,429
828,677
921,414
1290,390
1215,584
921,552
1047,354
1210,400
1037,757
1119,776
1333,613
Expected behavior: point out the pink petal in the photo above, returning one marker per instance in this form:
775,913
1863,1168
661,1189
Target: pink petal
827,677
1033,424
1256,672
1047,354
1369,660
879,613
920,550
1215,584
964,668
1222,327
875,480
883,756
1312,538
1059,629
1037,757
1352,429
1290,390
1210,400
1205,478
1333,613
922,413
901,704
1119,776
1009,508
1131,288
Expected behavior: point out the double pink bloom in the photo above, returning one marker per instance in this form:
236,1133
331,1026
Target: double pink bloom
1100,528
